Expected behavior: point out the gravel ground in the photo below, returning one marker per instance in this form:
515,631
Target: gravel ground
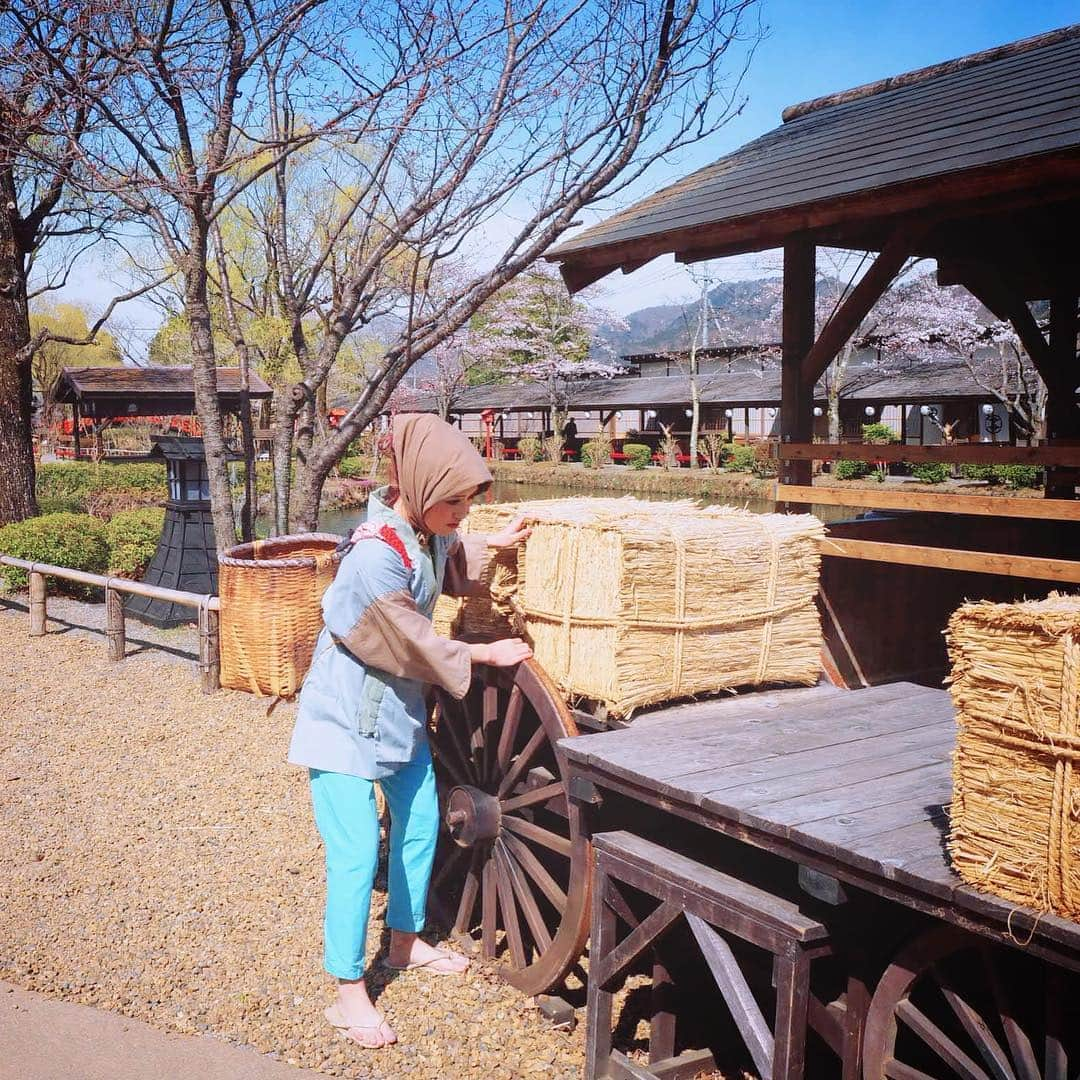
161,862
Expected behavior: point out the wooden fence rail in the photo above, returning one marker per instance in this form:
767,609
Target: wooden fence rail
952,453
206,605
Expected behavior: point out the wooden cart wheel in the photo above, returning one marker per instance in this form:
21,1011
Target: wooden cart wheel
955,1005
513,867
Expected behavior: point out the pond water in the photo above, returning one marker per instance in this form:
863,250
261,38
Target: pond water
340,521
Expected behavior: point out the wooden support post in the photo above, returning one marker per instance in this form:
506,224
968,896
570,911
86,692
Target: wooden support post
75,430
38,615
662,1024
796,397
1062,415
114,624
209,656
598,1010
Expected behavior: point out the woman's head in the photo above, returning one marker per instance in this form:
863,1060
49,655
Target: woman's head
435,471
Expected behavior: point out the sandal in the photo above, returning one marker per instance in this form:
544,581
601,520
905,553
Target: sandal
371,1037
429,965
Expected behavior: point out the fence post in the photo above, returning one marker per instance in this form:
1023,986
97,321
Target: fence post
209,657
38,614
114,623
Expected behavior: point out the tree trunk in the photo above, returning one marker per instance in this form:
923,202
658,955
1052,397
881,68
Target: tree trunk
207,405
17,500
282,458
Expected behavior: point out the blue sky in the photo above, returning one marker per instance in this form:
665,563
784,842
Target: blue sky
811,48
815,48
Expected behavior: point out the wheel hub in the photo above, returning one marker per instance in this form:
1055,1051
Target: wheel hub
472,815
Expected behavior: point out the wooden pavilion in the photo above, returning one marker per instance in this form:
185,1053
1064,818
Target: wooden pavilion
104,394
974,163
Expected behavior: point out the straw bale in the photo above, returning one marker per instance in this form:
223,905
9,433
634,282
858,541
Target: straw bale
629,603
1015,682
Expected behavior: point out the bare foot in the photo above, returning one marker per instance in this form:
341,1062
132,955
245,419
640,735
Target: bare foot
355,1014
409,951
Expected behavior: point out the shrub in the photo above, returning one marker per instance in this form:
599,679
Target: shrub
669,451
596,452
133,537
764,465
930,472
851,470
1020,476
76,541
638,455
553,449
716,448
354,468
979,472
743,459
529,448
878,434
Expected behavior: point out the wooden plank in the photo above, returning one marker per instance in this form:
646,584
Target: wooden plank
736,993
975,562
797,317
829,721
1000,505
639,859
859,759
961,454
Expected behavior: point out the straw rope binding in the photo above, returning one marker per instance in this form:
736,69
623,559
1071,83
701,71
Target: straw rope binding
1015,681
271,610
629,602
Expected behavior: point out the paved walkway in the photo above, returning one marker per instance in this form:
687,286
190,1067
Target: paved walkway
45,1039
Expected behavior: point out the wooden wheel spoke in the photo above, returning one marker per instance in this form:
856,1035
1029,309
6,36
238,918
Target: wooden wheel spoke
536,870
1023,1055
469,891
538,834
449,758
526,901
509,909
491,715
897,1070
508,735
932,1036
536,795
448,864
451,717
539,737
1057,1058
991,1051
489,908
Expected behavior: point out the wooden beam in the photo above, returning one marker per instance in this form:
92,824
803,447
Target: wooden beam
845,320
796,393
991,505
956,453
976,562
1006,302
1061,378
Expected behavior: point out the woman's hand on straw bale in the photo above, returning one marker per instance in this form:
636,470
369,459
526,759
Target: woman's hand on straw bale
515,532
504,653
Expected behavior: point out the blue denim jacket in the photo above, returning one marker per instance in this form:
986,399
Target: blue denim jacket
354,717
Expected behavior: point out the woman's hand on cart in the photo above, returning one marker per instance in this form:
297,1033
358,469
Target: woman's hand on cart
504,653
515,532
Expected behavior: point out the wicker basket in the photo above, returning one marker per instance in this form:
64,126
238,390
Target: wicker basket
271,615
1016,782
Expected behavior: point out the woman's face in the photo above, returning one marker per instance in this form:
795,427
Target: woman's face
444,517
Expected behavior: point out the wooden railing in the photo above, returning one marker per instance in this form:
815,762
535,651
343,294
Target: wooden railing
1065,571
207,606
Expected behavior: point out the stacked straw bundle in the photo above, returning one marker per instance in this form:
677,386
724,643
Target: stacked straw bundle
1016,795
630,603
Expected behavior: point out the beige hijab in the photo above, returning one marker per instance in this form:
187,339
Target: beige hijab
431,461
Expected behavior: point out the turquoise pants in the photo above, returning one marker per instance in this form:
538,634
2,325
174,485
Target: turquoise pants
349,826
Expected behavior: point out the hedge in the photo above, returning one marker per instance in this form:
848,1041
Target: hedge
76,541
133,537
851,470
78,486
930,472
638,455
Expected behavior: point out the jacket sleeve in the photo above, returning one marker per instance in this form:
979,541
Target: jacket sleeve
466,562
370,610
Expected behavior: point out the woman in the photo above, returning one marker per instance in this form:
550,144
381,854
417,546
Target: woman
362,715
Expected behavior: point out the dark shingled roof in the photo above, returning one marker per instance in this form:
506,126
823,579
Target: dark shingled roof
992,111
907,382
147,391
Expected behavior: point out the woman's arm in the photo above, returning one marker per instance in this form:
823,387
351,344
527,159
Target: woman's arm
469,556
